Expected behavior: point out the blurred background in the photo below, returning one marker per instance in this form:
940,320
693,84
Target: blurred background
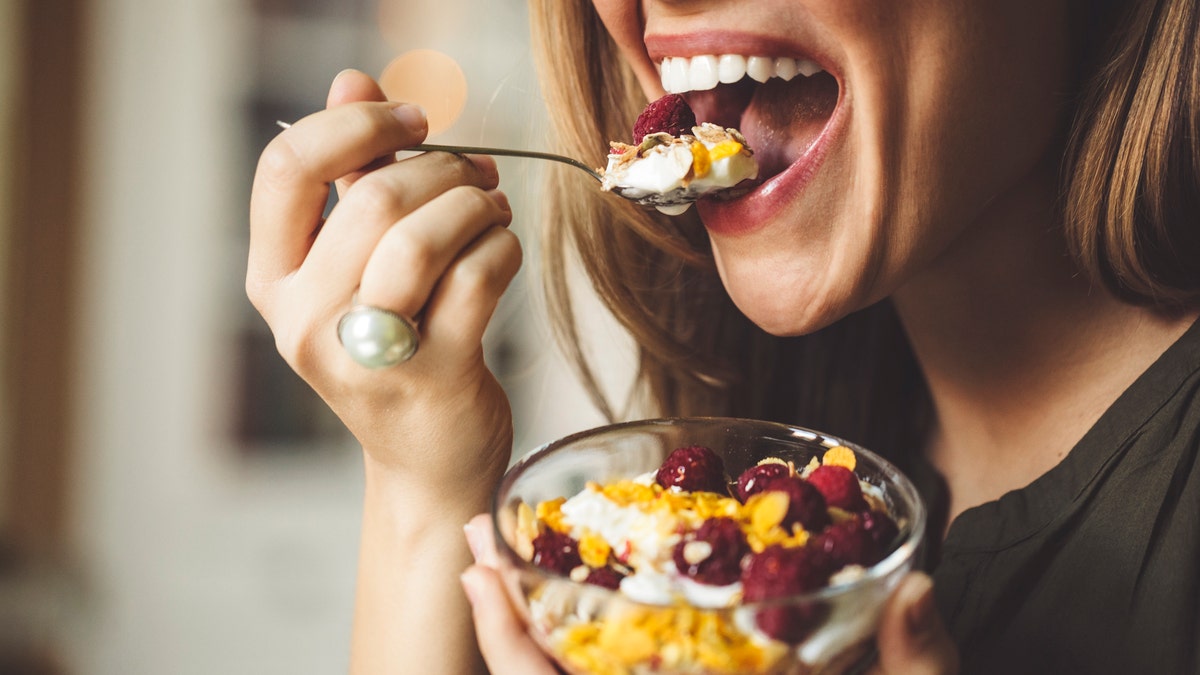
172,498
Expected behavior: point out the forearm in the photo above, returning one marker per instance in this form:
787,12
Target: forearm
411,615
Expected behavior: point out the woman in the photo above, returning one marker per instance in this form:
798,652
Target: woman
982,218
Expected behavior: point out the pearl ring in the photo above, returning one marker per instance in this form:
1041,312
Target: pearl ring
376,338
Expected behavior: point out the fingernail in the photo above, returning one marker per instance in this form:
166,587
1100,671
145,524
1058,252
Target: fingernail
411,116
921,609
470,586
471,543
343,72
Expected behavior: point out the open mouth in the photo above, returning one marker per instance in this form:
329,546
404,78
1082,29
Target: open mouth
780,104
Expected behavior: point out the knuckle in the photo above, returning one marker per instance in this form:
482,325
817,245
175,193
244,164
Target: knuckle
297,346
364,117
478,276
372,194
257,291
473,278
411,253
472,199
280,162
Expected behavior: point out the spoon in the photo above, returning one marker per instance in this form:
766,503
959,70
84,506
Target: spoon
671,203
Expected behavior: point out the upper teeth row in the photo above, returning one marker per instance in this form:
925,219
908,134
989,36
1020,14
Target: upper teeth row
698,73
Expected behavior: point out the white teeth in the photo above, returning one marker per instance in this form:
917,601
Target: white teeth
785,68
808,68
760,68
700,73
731,68
677,72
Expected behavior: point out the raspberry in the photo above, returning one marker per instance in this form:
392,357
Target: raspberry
713,553
694,468
779,572
839,486
753,479
848,543
670,114
805,503
789,623
606,577
556,552
882,529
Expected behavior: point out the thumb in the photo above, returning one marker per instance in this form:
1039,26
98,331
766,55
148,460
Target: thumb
912,638
352,85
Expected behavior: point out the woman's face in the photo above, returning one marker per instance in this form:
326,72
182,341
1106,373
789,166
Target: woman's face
930,116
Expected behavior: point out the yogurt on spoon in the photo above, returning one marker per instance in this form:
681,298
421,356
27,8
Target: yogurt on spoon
674,161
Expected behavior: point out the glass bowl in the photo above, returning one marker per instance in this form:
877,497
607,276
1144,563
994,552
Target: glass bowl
593,630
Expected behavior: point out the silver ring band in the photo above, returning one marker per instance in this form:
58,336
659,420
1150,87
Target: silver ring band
376,338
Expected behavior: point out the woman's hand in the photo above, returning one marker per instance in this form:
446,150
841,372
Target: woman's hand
502,635
912,639
424,237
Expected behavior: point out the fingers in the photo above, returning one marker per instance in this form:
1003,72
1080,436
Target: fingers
501,633
481,540
294,172
912,638
465,299
503,640
380,200
351,86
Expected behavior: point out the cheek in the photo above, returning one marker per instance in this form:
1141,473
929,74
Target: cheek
950,126
624,22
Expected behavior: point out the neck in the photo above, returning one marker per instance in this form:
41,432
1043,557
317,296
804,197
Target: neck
1021,353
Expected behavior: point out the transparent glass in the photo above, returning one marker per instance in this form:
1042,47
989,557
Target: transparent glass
592,630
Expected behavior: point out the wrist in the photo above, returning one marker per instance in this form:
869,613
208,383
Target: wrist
401,497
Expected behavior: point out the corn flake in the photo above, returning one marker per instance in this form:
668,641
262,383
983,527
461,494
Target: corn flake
840,456
701,161
550,513
724,149
593,550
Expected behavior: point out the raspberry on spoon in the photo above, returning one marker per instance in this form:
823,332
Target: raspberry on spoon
670,114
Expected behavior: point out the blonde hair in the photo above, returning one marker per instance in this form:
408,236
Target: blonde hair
857,378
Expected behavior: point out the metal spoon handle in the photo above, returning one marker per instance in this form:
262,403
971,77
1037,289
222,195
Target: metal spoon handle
501,152
506,152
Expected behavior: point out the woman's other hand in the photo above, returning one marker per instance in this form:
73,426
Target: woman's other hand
502,635
912,638
425,236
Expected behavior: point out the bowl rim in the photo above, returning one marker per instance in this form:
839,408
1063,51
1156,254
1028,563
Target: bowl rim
908,549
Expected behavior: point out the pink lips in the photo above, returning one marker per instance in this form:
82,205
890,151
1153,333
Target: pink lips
767,200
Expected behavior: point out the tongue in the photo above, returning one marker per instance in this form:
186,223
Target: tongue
780,120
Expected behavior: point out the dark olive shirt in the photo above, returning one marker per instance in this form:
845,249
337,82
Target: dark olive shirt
1095,566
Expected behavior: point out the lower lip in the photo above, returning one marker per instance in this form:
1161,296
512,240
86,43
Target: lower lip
764,203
